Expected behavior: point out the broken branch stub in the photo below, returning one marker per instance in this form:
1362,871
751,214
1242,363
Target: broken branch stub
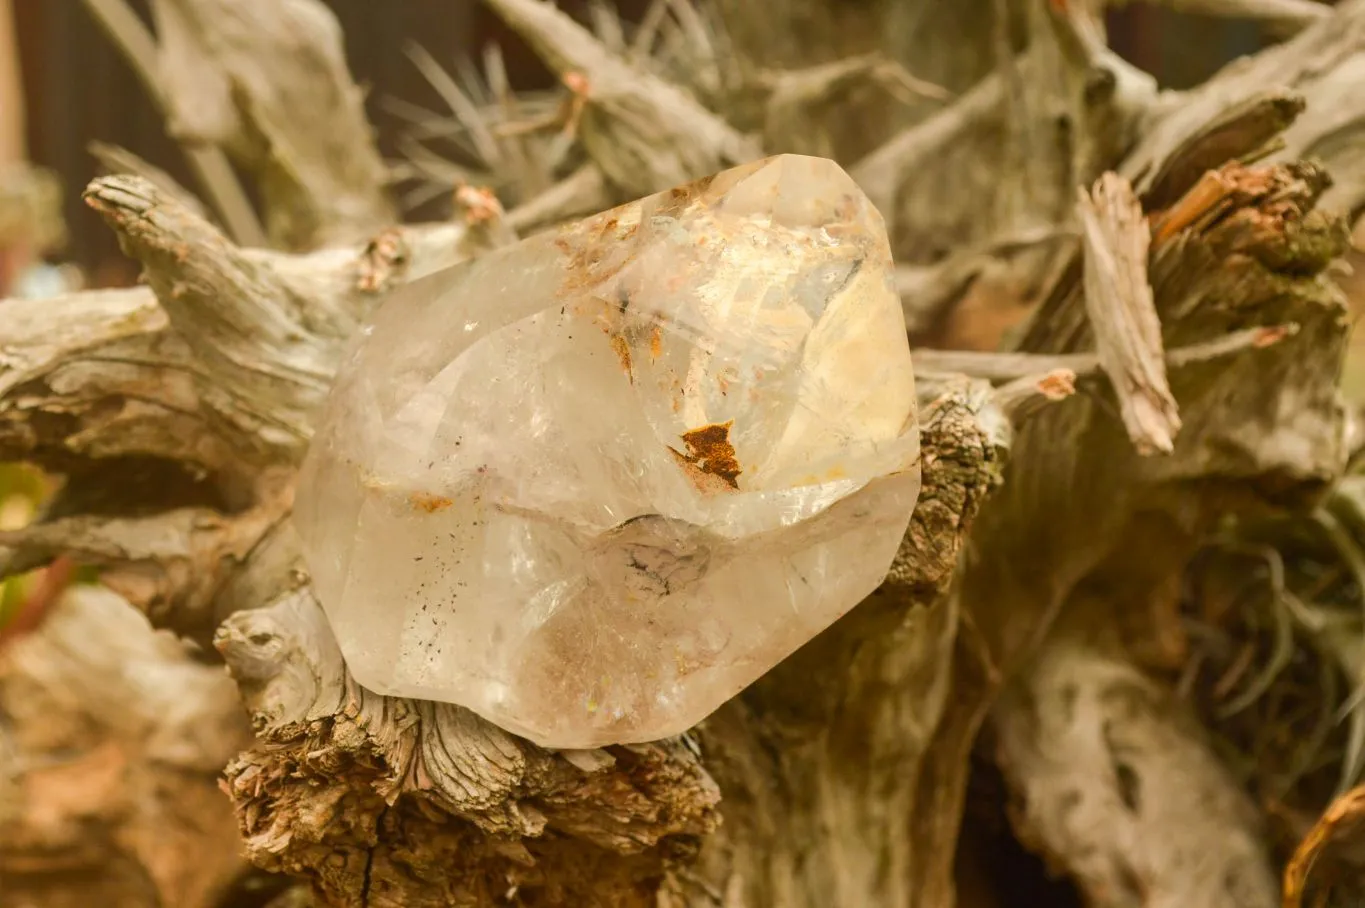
264,330
1122,314
1302,91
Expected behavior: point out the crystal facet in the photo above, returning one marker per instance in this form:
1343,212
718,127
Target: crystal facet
594,484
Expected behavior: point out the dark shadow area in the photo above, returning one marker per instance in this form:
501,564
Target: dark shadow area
993,869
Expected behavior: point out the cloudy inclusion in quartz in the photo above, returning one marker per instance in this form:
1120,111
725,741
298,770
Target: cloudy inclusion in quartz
594,484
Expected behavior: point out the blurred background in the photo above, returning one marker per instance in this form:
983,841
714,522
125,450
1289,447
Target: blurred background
77,88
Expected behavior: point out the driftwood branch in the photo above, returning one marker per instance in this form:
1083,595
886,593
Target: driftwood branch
275,399
978,194
209,163
645,134
227,304
268,82
179,567
841,775
1004,367
923,178
949,45
174,381
1114,782
798,110
1284,16
581,193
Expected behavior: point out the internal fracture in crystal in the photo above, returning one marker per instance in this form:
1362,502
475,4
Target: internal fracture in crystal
594,484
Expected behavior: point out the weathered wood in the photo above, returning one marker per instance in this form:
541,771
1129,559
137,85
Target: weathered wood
840,776
186,405
209,163
112,739
1283,16
1119,308
382,801
1300,91
828,782
950,45
1121,788
1003,367
1266,425
592,824
644,133
263,330
267,81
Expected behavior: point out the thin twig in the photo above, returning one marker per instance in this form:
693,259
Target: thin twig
1031,382
210,165
606,24
1023,397
464,109
1005,367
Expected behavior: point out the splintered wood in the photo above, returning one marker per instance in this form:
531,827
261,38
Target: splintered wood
1118,301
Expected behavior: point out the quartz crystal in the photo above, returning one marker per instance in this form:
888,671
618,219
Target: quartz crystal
594,484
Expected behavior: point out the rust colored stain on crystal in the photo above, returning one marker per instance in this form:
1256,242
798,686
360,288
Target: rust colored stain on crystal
710,453
675,200
618,343
595,251
429,503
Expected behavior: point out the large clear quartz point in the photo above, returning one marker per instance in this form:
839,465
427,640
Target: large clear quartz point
592,485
